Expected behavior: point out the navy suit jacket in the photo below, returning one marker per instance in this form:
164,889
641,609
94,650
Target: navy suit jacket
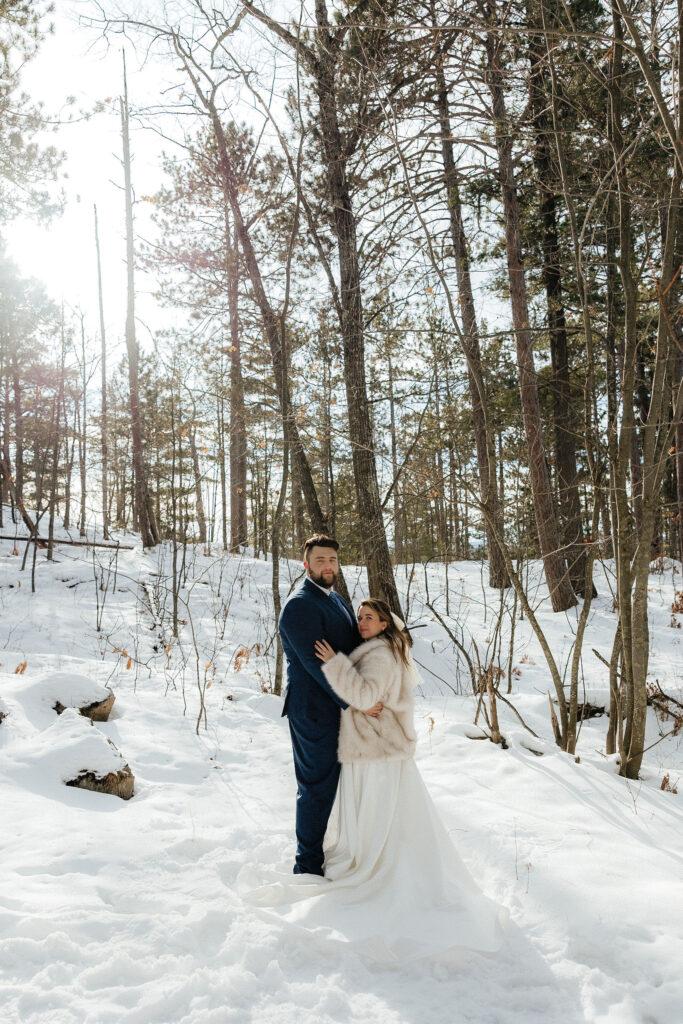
311,615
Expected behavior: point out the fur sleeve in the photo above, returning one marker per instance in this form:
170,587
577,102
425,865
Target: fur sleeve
362,687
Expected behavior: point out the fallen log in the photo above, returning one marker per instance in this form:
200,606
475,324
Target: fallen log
665,704
42,542
589,710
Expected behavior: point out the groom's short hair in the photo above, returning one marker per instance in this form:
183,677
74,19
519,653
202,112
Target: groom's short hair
319,540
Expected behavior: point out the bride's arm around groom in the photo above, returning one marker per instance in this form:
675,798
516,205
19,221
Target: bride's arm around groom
372,673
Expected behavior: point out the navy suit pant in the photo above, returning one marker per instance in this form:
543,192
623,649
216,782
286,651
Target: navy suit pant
317,775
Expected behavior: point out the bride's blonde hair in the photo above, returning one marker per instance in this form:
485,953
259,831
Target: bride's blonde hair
398,638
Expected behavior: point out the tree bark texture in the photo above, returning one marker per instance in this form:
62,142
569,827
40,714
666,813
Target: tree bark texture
658,430
18,431
238,420
483,437
563,418
83,439
274,329
104,442
198,496
678,514
376,550
322,65
559,586
143,506
275,547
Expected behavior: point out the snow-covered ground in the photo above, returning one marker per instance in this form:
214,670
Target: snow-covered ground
125,911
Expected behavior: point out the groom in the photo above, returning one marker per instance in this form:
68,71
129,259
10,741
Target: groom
315,612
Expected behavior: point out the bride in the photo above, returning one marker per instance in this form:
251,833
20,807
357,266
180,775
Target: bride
394,883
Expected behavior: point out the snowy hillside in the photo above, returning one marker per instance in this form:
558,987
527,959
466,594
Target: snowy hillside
126,911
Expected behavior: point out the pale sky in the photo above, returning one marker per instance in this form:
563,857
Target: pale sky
76,62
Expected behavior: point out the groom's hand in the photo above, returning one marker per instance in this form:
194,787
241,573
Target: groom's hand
375,711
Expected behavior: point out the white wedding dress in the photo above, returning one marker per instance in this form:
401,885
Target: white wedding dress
394,887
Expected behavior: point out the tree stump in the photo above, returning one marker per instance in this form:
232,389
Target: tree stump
98,711
119,783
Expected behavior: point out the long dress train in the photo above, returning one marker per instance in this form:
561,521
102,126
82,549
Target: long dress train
395,886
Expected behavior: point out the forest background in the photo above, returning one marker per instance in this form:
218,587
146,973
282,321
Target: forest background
417,276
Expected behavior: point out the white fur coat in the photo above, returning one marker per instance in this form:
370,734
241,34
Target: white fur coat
371,673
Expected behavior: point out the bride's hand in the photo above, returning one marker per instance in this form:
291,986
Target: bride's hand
374,711
323,650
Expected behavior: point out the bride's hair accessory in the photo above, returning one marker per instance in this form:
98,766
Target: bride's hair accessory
400,624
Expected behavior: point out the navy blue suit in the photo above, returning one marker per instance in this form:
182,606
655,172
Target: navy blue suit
313,710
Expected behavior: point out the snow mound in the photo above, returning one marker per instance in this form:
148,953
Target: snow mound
70,747
70,689
34,699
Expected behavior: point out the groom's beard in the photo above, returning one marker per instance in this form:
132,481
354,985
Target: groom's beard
327,581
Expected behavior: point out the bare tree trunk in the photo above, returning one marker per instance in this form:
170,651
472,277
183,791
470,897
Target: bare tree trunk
4,447
54,475
559,586
298,524
69,459
238,419
636,466
221,462
483,439
377,552
119,475
328,460
199,499
143,506
679,462
625,437
380,574
563,417
658,432
18,433
439,506
55,444
176,489
8,476
120,463
611,357
271,322
275,546
82,438
454,511
103,407
396,503
660,426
